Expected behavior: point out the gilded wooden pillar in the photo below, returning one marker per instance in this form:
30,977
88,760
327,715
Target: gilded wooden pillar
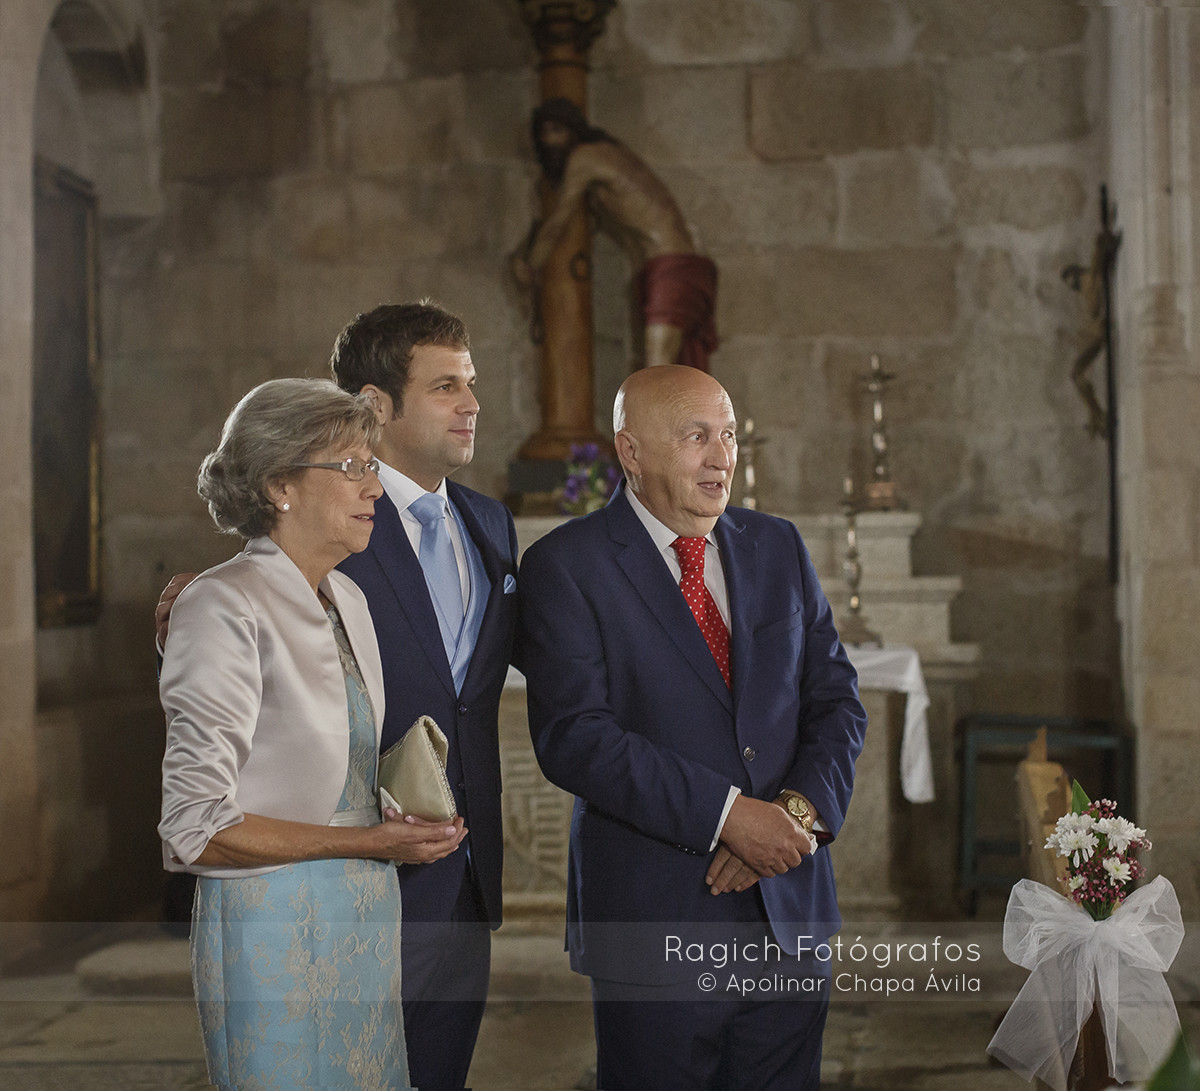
563,31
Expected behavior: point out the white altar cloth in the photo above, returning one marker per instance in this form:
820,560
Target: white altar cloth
898,667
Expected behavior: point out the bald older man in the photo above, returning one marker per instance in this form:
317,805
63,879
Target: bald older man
687,684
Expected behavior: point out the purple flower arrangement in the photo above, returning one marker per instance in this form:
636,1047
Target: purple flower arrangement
591,480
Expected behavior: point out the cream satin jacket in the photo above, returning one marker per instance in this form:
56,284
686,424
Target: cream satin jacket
255,700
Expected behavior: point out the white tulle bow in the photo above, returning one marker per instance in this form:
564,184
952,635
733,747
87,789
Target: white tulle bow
1074,961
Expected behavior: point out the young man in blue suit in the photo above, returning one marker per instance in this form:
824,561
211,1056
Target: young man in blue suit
413,362
686,683
445,634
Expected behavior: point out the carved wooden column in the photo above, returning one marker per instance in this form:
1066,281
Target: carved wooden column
563,31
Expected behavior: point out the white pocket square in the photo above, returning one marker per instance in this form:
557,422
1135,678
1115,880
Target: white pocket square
510,584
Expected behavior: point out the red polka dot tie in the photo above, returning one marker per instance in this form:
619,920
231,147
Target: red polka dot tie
690,552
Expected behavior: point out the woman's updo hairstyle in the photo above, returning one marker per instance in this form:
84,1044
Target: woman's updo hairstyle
278,425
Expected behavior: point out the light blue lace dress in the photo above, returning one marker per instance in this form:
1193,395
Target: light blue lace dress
297,972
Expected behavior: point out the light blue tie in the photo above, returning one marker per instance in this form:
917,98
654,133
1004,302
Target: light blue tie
440,568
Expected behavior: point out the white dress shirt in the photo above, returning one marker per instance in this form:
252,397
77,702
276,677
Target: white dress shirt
714,580
402,491
663,535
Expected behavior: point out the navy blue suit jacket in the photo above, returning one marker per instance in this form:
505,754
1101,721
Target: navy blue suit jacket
417,682
629,712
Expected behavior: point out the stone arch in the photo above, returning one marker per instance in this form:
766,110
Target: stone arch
104,45
103,42
94,114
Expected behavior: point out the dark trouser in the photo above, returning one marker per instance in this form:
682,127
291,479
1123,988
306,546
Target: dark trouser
644,1042
444,974
752,1022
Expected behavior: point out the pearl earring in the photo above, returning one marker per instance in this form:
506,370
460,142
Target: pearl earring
287,506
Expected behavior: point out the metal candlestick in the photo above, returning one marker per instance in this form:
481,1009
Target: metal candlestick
854,629
881,493
748,444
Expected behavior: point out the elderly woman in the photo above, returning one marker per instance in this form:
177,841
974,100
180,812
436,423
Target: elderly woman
273,691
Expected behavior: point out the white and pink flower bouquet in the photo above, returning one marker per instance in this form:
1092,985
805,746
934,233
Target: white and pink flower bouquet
1100,945
1099,846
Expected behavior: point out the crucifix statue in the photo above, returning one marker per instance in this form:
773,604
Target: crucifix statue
563,33
590,170
590,179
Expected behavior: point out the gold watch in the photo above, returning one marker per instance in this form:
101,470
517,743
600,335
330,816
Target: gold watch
798,807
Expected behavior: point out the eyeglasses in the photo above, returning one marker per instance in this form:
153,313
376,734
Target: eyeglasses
354,468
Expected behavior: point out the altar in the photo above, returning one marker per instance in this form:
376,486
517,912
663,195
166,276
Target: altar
902,818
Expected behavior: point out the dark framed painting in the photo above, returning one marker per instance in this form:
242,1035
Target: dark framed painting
66,411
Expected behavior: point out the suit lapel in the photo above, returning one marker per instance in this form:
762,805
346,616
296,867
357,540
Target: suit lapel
402,570
739,558
651,579
484,542
492,564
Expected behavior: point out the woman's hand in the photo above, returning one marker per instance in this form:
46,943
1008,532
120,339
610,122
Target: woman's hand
408,839
258,841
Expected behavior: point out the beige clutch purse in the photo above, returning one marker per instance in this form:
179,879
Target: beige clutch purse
412,774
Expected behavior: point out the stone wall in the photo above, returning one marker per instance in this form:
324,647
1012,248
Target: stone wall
78,790
22,26
906,178
317,159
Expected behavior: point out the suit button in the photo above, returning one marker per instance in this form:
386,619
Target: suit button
748,753
462,710
461,786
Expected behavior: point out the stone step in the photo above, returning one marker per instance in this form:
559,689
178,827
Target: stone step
140,967
534,967
524,967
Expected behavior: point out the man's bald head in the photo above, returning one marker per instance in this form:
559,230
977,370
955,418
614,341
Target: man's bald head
676,439
652,390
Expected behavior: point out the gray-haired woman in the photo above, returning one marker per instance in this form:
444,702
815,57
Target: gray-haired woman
273,691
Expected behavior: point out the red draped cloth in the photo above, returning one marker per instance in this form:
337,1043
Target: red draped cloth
681,290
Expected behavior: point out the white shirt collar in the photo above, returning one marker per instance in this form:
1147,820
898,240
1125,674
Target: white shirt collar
401,489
